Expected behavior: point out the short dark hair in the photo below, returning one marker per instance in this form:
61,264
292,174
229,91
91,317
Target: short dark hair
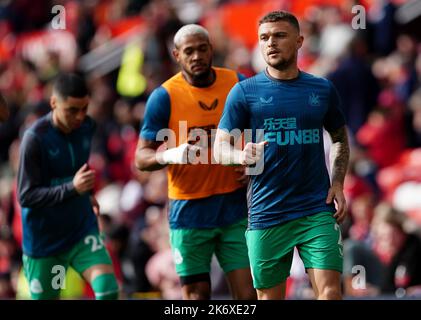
70,85
276,16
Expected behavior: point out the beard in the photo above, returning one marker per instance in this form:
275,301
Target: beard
201,76
282,64
204,74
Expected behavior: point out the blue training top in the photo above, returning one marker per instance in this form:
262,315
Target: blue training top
54,215
292,113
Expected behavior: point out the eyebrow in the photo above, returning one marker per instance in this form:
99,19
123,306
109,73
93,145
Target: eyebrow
276,32
75,107
198,45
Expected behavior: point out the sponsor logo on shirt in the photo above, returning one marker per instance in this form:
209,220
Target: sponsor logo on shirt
266,101
54,152
205,107
314,100
284,132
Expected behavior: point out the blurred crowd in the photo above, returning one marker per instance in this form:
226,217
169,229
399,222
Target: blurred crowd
123,47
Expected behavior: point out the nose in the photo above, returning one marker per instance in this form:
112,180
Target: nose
271,41
196,55
81,115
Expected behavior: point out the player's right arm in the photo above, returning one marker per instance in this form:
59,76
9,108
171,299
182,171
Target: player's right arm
233,121
147,155
156,118
225,152
151,151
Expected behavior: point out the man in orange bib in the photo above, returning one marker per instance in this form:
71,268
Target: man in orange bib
208,205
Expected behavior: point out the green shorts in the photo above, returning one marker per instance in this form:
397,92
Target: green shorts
317,238
46,276
193,248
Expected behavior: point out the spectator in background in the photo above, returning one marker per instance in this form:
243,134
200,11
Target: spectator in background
361,211
4,110
160,268
356,84
383,125
415,124
392,260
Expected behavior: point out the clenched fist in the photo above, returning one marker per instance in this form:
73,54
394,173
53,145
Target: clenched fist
252,153
84,179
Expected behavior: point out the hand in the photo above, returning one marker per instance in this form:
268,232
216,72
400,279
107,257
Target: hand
183,154
243,179
95,206
336,193
252,153
84,179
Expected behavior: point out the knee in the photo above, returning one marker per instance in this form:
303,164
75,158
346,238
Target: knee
196,287
248,293
105,287
330,293
196,295
196,291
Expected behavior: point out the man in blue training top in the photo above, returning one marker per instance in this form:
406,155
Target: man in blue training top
59,215
291,201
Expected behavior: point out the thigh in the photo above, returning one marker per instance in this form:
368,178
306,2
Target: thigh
320,245
46,276
192,250
231,247
270,252
89,252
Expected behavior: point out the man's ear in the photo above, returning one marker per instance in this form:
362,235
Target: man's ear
53,102
176,54
300,41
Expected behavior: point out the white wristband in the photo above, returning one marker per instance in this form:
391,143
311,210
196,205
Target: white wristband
176,155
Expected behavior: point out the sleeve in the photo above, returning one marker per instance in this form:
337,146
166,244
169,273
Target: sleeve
31,192
157,114
235,114
241,76
334,118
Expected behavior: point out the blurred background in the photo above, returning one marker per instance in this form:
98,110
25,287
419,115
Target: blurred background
123,47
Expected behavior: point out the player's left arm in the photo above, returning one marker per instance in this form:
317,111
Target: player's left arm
340,158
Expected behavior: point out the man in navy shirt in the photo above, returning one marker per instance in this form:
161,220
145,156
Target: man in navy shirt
291,197
59,214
